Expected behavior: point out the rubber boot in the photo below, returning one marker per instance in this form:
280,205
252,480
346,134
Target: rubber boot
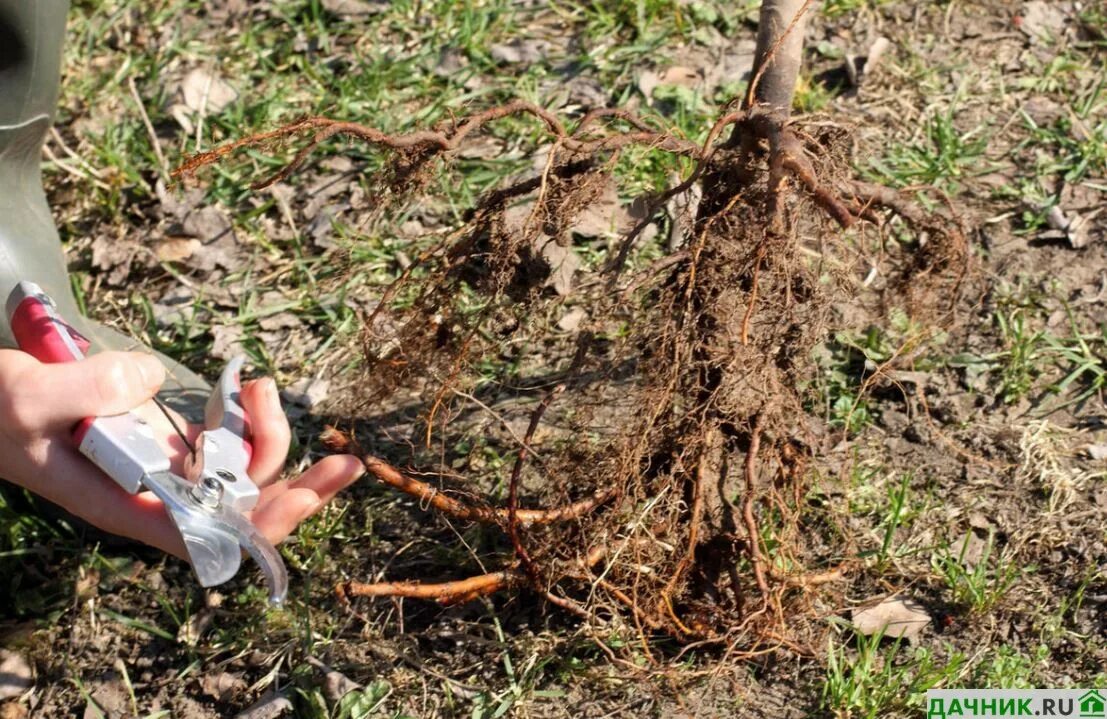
31,37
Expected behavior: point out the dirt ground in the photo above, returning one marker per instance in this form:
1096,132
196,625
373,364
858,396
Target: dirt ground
960,459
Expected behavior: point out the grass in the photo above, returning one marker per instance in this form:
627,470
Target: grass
877,677
1077,142
1009,668
943,157
1084,357
1035,361
976,583
853,357
839,8
898,514
1021,359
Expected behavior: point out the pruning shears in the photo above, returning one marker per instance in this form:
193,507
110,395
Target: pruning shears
207,504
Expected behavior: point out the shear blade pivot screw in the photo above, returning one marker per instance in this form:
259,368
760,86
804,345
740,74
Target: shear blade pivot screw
208,492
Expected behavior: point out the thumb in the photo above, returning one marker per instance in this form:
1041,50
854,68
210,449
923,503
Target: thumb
104,384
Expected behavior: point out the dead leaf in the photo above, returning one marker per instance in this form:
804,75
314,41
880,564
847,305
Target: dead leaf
322,226
207,224
204,91
520,51
969,549
270,706
563,263
603,216
450,62
117,257
894,617
571,320
226,252
978,520
335,684
733,65
1075,227
1042,20
587,92
176,249
679,75
222,686
481,147
307,392
15,674
281,326
1042,110
175,306
109,696
1079,231
178,204
325,189
182,115
347,9
226,341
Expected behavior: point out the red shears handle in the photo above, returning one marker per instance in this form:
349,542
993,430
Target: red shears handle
42,333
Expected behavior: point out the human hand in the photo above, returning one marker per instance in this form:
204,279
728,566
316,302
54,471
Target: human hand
40,404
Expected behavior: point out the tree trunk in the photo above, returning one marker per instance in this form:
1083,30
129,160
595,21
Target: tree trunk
777,62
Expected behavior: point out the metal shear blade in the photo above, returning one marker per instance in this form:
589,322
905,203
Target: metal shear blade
215,536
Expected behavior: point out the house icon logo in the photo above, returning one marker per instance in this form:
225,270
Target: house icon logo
1092,704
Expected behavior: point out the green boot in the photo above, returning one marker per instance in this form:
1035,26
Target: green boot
31,37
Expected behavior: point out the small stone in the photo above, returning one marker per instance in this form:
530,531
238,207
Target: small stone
15,674
1098,452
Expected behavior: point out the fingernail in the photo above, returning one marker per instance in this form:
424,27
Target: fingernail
311,509
272,396
152,371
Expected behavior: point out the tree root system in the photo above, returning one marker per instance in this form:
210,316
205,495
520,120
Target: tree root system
677,491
